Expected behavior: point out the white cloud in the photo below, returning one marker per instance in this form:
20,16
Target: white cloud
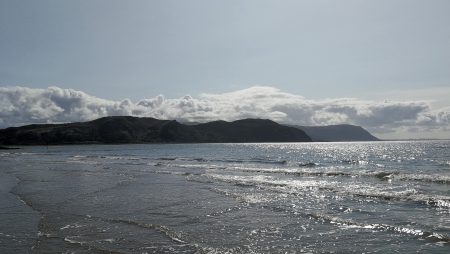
20,105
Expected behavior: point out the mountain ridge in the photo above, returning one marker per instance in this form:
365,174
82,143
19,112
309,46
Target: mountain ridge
128,129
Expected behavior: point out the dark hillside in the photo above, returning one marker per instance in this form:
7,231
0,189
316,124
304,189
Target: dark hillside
127,129
342,132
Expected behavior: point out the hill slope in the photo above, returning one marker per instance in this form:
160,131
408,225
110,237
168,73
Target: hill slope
342,132
127,129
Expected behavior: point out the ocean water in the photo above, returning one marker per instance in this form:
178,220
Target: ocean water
363,197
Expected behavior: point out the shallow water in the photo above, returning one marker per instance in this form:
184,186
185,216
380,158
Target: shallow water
227,198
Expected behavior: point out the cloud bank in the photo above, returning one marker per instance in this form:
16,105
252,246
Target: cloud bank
21,105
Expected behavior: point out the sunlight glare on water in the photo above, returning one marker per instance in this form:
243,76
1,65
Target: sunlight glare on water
227,198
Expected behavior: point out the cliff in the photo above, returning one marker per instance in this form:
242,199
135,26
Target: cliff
334,133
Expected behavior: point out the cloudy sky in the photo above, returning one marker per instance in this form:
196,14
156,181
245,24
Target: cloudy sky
382,64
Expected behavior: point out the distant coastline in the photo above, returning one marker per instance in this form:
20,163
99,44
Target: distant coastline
135,130
8,148
130,130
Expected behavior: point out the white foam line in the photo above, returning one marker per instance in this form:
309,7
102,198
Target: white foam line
291,186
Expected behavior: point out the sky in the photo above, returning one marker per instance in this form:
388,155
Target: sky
381,64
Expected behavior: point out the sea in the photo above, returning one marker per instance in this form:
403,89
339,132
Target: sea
355,197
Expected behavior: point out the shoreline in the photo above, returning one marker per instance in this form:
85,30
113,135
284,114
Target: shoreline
8,148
